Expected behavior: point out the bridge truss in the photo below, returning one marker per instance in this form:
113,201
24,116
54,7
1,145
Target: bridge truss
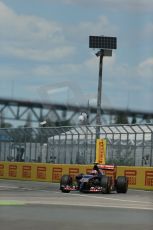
11,109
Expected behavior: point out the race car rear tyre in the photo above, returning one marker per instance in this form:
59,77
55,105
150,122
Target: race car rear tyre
106,184
121,184
65,180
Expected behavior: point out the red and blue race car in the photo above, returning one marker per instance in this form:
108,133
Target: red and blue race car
102,178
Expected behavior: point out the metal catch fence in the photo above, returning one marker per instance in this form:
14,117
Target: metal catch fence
126,144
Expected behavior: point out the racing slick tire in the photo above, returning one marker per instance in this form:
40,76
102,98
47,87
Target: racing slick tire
122,184
65,180
106,183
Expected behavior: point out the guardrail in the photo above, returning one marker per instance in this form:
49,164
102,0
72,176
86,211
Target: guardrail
138,177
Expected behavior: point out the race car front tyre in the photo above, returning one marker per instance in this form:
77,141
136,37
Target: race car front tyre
121,184
65,180
106,184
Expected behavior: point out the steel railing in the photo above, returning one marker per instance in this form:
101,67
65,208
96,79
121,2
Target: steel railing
126,144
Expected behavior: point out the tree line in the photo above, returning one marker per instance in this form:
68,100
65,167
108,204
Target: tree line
121,118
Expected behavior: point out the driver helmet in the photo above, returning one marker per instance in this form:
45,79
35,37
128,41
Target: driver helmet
102,172
94,172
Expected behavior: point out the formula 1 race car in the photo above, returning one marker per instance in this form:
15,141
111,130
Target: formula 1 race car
102,178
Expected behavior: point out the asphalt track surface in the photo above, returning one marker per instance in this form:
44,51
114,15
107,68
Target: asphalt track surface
28,205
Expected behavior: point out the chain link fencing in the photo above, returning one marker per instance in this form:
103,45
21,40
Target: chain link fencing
126,144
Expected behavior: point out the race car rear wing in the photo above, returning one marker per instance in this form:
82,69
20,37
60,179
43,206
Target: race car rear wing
106,167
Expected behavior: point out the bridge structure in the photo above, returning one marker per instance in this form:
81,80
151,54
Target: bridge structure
15,109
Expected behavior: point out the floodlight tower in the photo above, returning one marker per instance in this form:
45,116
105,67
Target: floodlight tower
105,46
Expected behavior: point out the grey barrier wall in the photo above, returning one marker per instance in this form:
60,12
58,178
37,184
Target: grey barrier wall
126,144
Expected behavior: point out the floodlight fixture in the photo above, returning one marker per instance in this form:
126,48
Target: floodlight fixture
83,118
104,53
102,42
105,45
43,123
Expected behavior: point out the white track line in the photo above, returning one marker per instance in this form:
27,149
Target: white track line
115,199
8,186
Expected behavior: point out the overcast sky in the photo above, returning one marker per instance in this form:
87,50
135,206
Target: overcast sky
45,55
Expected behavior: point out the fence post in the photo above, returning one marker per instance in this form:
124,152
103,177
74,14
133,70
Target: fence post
151,154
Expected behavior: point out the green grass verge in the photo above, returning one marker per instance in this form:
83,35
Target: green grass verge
10,202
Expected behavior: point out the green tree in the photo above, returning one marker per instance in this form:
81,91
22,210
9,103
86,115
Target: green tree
63,123
134,120
28,122
4,124
121,118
